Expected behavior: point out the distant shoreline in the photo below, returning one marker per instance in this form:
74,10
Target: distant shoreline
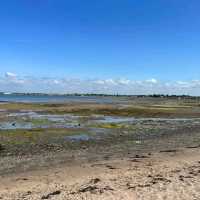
97,95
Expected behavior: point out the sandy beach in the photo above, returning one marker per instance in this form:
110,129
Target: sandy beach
164,175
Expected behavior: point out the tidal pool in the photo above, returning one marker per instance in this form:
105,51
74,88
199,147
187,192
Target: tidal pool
80,137
14,125
27,119
112,119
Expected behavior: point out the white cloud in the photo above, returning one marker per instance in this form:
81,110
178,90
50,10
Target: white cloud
181,82
154,81
13,83
10,75
111,81
101,82
124,81
56,81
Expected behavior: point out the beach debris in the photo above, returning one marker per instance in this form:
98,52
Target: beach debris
95,181
159,178
93,187
110,167
140,156
135,186
153,180
22,179
89,188
182,177
50,147
193,147
135,160
169,151
51,194
1,147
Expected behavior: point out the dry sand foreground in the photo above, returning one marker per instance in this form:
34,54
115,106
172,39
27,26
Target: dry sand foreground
164,175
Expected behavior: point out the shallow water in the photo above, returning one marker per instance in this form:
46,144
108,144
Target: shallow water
80,137
15,125
55,98
53,118
36,120
166,119
111,119
22,113
28,120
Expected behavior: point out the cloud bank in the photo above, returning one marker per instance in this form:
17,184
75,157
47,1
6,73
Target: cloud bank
13,83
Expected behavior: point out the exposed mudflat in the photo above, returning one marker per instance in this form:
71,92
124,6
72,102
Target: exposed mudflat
133,149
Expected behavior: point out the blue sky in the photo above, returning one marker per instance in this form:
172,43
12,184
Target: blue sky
101,40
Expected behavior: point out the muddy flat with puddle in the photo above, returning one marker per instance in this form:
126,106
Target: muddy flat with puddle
38,135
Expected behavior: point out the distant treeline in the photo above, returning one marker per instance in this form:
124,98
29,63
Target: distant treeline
103,95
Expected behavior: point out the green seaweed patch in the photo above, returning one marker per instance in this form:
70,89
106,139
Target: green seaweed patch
110,125
38,122
33,136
